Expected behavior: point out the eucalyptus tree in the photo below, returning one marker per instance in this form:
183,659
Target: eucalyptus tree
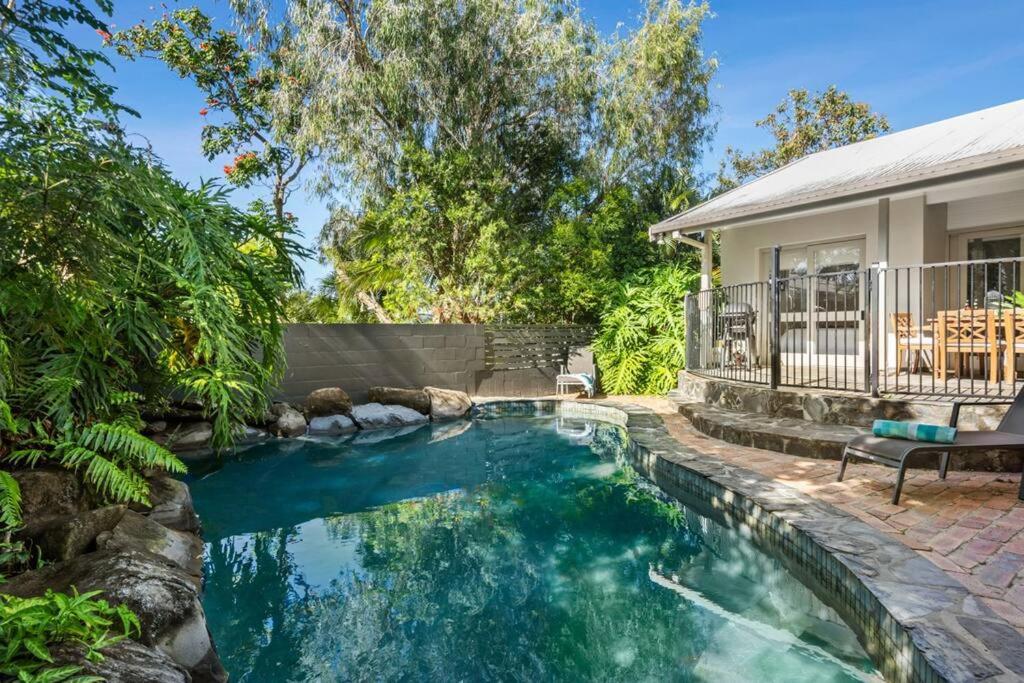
803,124
458,135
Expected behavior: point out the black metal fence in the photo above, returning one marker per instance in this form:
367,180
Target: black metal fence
945,330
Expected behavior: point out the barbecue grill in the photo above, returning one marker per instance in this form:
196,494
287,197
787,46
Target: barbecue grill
739,343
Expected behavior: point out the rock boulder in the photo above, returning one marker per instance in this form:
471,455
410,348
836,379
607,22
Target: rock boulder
170,505
289,423
377,416
417,399
66,537
191,436
165,598
48,493
448,404
328,401
331,425
124,661
135,532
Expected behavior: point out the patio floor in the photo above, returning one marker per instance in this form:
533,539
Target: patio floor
971,525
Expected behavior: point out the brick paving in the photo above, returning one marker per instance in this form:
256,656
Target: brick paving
971,525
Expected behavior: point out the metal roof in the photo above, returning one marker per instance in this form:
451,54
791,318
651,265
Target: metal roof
979,142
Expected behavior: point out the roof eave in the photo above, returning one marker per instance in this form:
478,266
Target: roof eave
999,163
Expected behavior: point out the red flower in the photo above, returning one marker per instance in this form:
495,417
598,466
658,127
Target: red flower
228,170
202,46
203,112
103,34
213,101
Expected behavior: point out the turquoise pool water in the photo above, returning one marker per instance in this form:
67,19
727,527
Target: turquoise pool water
511,549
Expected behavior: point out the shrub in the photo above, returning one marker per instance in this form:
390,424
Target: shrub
641,342
30,627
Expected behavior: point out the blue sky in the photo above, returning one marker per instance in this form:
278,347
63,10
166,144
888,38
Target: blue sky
916,62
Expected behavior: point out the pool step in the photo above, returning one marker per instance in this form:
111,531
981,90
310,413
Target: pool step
783,435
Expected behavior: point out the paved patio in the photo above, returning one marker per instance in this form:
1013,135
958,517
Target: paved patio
971,525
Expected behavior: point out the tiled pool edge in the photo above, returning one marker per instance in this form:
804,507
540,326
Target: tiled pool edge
916,622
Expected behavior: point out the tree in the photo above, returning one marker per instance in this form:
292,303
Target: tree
454,131
248,110
803,124
118,285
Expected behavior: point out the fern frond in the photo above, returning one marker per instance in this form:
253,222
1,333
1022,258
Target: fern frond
10,501
124,443
115,483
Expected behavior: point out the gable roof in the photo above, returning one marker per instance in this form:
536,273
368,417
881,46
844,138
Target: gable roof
982,141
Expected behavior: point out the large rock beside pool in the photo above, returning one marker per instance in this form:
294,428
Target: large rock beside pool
328,401
378,416
191,436
65,537
48,492
136,532
123,661
287,421
170,504
417,399
165,598
448,404
331,425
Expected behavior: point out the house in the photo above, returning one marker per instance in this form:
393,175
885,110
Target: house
885,238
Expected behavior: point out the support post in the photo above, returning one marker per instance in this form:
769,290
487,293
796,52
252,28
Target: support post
871,336
706,259
774,341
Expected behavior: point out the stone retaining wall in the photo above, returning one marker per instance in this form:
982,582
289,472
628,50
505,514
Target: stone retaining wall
356,357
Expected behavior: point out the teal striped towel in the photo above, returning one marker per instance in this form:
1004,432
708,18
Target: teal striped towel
914,431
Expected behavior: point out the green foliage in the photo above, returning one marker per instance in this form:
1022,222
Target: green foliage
110,456
118,285
640,346
471,140
30,627
240,85
803,124
10,501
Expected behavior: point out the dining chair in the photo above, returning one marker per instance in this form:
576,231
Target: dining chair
966,334
1013,336
913,340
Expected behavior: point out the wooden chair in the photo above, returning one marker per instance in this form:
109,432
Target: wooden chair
912,340
965,334
1013,341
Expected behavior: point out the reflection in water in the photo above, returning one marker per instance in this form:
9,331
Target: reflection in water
502,549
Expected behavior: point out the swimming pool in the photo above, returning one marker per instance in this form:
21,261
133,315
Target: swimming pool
502,548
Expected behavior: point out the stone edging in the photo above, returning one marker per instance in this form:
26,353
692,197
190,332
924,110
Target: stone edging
916,622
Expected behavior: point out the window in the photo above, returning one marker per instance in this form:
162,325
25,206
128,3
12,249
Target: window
991,282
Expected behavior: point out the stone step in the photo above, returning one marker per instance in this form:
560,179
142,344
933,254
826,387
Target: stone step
783,435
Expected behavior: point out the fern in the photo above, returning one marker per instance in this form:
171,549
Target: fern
110,457
10,502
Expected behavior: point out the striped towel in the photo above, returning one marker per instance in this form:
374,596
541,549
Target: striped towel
914,431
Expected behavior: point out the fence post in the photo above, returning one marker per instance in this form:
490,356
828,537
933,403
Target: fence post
872,323
693,330
774,341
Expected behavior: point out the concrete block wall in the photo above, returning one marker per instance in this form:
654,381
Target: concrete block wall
356,357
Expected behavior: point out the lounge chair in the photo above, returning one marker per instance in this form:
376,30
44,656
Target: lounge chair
1008,436
566,379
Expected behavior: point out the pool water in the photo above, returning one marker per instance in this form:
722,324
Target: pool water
512,549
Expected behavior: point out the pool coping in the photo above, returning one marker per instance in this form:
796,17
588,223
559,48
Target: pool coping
915,621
